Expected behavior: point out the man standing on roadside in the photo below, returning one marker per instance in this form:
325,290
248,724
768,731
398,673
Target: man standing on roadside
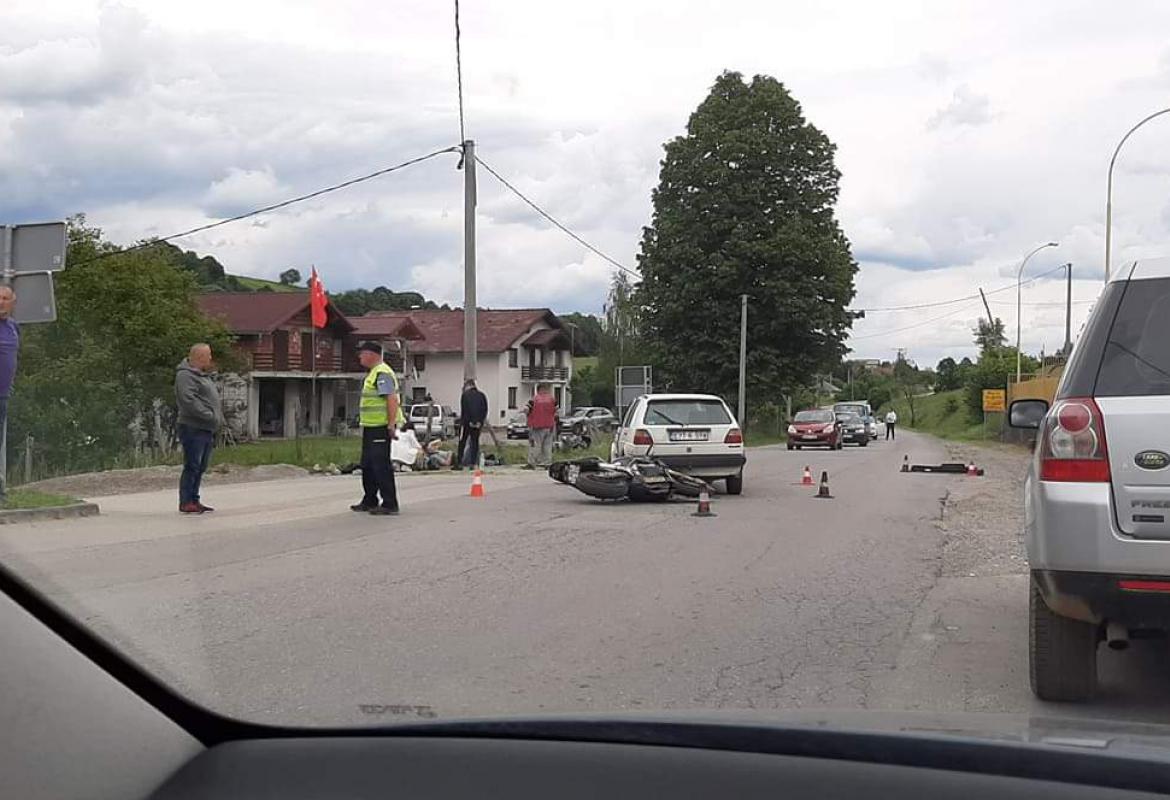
200,415
379,414
473,412
543,419
9,348
891,421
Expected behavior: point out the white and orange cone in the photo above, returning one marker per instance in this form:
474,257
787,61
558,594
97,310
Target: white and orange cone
806,479
477,483
704,509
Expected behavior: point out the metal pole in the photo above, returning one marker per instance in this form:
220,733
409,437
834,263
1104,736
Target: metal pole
5,280
1019,301
743,298
1109,188
470,340
28,458
313,410
851,396
1068,313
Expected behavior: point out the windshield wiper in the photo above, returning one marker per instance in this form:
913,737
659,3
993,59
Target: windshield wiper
669,421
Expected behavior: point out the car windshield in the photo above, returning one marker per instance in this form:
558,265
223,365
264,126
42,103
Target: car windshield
686,412
243,245
813,416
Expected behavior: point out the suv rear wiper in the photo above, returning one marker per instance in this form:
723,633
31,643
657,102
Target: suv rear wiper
669,421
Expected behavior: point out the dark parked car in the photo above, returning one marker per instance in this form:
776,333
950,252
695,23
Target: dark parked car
518,427
855,431
816,428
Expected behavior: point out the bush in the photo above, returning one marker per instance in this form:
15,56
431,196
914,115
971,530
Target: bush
951,405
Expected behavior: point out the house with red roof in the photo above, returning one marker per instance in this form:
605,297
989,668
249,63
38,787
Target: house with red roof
285,358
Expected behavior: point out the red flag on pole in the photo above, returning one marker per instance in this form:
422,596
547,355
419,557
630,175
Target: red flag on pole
317,300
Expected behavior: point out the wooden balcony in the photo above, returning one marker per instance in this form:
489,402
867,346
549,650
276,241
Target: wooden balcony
542,374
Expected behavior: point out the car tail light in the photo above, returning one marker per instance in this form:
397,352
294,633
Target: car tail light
1144,586
734,436
642,438
1072,443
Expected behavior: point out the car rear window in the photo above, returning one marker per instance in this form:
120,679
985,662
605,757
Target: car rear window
1136,358
686,412
813,416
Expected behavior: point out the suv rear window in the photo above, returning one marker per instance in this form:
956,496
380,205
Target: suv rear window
1136,358
686,412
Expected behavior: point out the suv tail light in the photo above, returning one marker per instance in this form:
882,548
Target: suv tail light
734,436
1072,443
642,438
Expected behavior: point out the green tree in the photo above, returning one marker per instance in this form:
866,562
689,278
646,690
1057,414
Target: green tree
744,205
948,375
586,333
361,301
990,336
98,382
290,277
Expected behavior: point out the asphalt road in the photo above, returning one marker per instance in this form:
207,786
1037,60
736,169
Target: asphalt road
284,606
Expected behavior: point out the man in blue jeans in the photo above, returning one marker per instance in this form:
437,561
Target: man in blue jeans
9,347
199,415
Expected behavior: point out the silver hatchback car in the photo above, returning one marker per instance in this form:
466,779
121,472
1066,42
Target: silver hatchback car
1097,495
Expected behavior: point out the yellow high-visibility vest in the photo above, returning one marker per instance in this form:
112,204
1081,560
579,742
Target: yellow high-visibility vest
372,410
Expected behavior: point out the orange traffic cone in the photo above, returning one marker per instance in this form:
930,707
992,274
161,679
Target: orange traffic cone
823,492
906,463
806,480
704,509
477,483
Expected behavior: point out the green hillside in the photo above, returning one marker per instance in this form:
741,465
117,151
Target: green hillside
945,414
258,284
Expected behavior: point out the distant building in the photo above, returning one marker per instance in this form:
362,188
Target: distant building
517,350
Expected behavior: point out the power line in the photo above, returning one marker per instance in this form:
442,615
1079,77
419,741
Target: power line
556,222
975,296
459,73
276,206
911,327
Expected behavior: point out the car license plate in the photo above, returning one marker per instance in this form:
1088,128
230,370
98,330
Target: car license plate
810,436
574,471
689,436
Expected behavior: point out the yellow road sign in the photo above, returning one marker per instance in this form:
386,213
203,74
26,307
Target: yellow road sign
994,400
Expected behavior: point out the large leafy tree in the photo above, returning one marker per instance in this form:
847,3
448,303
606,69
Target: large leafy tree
98,382
745,205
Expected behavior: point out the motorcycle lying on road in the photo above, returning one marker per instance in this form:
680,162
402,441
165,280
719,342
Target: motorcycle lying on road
635,478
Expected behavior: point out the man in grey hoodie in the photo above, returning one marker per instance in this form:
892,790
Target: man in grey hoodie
200,414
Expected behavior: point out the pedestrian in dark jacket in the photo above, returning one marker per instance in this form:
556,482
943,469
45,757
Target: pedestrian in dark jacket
473,412
200,415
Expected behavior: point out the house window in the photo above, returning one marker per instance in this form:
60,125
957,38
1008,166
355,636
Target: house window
532,356
420,363
512,391
513,358
560,358
557,395
418,394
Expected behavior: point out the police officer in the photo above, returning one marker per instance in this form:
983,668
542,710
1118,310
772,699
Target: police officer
380,414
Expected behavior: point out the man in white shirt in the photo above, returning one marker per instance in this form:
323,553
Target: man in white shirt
891,421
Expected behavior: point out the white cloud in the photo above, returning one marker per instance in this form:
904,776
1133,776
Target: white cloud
159,117
966,108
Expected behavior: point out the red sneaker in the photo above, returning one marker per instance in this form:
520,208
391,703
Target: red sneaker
190,508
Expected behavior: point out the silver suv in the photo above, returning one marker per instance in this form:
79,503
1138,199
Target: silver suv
1097,495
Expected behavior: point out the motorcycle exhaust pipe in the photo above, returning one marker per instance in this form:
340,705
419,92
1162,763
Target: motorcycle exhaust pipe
1116,636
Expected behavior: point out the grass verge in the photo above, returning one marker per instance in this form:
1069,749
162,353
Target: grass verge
946,415
305,452
30,498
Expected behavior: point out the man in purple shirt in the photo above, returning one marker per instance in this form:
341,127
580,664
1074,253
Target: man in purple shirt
9,347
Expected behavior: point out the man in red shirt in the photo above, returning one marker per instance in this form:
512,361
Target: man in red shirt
543,420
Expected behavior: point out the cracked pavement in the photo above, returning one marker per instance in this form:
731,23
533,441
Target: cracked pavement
285,607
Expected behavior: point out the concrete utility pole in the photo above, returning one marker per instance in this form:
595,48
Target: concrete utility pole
6,276
1068,313
470,340
743,298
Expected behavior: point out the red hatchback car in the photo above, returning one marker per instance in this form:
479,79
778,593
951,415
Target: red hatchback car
817,428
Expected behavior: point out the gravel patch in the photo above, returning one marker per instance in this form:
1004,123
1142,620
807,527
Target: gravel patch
983,518
148,479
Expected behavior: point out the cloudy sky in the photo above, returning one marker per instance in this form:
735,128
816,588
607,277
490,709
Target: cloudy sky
968,133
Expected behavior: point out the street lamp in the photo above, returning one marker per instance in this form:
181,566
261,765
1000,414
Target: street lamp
1109,187
1019,303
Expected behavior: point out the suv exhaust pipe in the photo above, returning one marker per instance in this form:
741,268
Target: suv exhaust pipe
1116,636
